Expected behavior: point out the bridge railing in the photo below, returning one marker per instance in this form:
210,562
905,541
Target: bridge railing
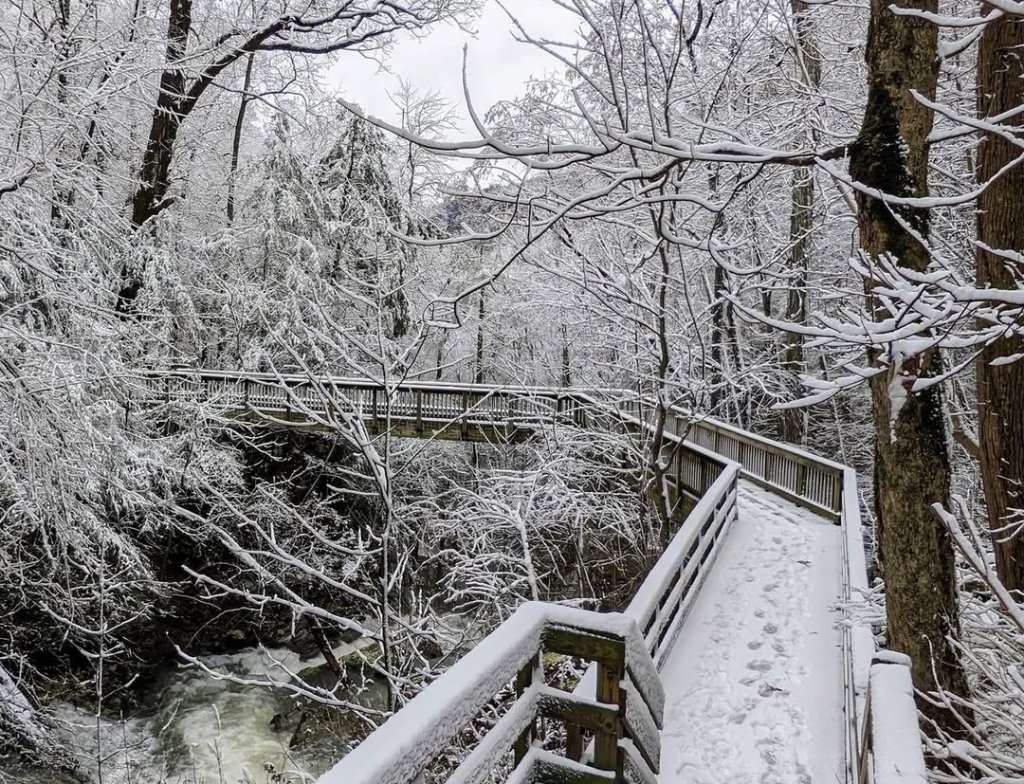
801,477
624,712
273,395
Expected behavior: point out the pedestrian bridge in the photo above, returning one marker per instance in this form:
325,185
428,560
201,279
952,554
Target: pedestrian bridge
738,660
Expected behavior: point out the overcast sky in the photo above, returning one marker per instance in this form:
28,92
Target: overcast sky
498,65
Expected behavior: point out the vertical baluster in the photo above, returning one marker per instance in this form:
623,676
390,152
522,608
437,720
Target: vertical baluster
606,744
524,679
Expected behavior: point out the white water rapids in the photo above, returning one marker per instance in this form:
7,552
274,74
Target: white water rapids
194,729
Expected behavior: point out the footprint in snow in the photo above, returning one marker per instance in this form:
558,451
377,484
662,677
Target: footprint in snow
769,587
768,755
770,628
759,665
767,690
759,613
754,644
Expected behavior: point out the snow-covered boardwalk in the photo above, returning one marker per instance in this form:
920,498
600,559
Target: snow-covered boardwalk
762,683
754,683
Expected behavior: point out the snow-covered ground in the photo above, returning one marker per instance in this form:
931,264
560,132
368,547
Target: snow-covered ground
754,686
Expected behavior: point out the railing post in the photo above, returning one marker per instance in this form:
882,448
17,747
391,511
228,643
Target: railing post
419,410
606,744
573,741
523,681
465,416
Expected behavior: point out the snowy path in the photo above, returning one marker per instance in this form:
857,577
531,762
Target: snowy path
754,685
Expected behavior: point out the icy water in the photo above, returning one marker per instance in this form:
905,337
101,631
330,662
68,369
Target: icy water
194,729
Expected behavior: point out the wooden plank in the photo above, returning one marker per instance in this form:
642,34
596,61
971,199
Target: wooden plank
478,766
573,741
606,744
606,650
543,767
573,709
634,769
524,678
640,726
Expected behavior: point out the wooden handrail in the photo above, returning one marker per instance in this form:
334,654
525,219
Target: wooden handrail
799,476
410,741
886,757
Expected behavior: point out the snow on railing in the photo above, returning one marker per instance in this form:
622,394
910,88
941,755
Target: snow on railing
892,742
663,599
625,712
858,638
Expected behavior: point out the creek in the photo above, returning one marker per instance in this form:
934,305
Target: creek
192,728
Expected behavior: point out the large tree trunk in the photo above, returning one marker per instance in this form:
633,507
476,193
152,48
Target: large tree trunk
1001,228
912,469
154,177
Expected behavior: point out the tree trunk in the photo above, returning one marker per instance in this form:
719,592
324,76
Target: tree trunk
566,364
154,176
912,469
478,375
801,223
167,118
1000,228
724,351
236,141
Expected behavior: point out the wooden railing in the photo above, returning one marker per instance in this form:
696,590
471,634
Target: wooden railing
663,599
806,479
706,459
414,409
624,712
623,742
888,755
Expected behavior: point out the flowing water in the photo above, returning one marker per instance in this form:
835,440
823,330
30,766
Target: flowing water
194,729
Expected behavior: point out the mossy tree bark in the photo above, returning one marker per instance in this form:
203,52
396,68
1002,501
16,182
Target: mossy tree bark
912,469
1001,236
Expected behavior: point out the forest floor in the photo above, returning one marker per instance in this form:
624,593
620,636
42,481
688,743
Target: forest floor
754,686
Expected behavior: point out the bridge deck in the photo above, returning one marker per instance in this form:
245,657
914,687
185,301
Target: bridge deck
754,685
